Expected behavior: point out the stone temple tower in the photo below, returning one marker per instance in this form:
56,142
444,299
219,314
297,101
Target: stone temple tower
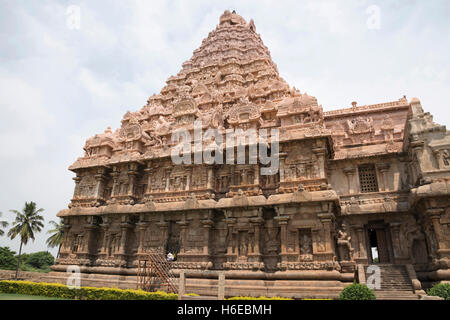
358,186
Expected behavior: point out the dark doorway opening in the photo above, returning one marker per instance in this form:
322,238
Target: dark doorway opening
373,245
378,245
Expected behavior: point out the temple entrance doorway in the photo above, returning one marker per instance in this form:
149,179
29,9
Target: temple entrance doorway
173,242
378,243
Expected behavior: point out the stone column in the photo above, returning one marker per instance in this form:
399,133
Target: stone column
256,222
132,173
435,215
207,224
141,226
100,177
149,173
326,219
104,248
362,252
167,180
91,228
440,159
76,192
384,168
350,173
230,224
244,176
395,232
283,222
189,171
115,176
320,154
417,148
124,227
164,228
183,230
64,245
282,158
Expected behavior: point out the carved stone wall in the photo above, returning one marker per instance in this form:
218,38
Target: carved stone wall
313,213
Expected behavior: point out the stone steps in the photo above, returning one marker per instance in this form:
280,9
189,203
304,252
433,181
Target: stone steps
397,297
395,284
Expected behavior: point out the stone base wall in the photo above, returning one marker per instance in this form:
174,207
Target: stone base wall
308,284
23,275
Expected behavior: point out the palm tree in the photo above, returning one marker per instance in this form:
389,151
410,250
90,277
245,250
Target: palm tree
26,224
57,236
3,224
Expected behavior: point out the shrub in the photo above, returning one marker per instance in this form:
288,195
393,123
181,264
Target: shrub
440,290
84,293
357,291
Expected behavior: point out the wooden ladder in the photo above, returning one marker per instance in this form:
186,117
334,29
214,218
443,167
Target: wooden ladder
155,264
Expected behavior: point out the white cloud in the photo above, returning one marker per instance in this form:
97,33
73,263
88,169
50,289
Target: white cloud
23,120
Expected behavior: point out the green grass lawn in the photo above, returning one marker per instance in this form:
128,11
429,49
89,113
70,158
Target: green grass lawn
12,296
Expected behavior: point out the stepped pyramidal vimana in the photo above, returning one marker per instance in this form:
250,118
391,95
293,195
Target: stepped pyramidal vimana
343,190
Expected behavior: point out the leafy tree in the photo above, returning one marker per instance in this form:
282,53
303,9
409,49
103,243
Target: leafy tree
25,225
3,224
8,260
57,235
38,260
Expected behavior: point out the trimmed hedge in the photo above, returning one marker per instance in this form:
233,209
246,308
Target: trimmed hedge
357,291
440,290
84,293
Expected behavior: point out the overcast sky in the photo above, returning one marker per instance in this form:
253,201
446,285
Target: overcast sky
62,82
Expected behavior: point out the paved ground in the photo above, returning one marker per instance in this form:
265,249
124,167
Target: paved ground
10,296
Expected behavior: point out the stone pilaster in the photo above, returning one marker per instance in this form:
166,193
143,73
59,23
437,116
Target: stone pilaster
76,191
283,222
125,227
256,224
207,224
105,240
435,215
230,242
100,178
361,240
115,176
326,219
350,174
65,247
320,154
183,233
397,246
141,227
164,234
282,158
384,169
132,173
